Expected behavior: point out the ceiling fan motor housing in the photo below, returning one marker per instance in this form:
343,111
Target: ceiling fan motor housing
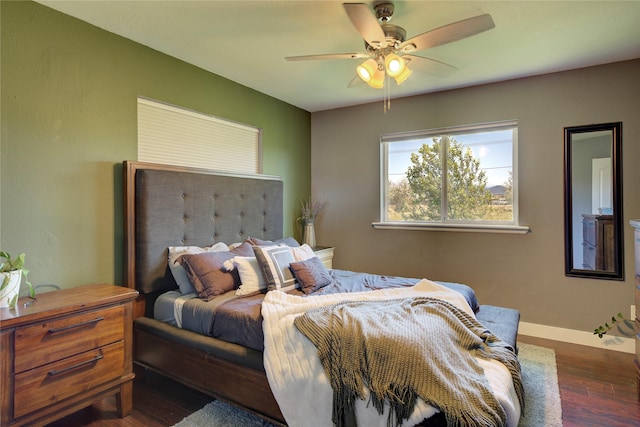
394,36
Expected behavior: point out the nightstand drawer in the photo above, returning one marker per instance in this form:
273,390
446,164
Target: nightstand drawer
56,339
56,381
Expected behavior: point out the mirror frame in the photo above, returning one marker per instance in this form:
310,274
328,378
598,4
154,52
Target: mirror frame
616,181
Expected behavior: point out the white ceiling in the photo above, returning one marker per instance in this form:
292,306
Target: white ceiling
246,41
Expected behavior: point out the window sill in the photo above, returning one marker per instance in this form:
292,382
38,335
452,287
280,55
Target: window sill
464,228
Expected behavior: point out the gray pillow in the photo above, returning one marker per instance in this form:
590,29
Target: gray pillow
311,274
289,241
274,262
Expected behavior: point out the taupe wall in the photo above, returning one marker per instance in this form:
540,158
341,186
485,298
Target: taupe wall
69,94
521,271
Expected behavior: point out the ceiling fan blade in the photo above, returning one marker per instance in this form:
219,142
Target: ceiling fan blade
328,56
449,33
429,66
355,82
366,23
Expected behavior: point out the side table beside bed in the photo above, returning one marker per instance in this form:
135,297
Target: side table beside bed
64,351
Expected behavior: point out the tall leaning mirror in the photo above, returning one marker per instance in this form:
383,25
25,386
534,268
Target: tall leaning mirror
593,201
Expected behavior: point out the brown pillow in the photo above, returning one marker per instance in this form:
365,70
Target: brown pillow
245,249
311,274
207,274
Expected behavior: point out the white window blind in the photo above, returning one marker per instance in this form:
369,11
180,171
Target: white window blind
178,136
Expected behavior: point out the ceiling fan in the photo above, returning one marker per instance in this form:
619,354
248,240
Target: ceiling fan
388,53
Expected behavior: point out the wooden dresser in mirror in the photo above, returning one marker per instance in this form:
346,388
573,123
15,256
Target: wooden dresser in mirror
598,243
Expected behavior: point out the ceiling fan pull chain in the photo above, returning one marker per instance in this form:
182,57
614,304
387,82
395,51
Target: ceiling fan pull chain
386,100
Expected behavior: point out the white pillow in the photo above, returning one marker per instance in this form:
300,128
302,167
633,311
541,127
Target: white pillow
234,245
302,253
251,278
178,272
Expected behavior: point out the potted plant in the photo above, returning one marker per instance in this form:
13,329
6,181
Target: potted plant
601,330
309,210
11,273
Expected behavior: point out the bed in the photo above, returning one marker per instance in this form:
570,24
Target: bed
168,206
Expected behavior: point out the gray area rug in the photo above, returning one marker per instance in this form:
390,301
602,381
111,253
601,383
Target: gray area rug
539,375
221,414
540,378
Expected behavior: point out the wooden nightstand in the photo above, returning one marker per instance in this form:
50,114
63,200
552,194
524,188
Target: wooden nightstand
325,253
63,352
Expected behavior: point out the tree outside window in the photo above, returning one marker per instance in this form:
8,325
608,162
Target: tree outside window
474,184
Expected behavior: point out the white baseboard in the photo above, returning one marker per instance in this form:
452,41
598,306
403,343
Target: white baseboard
608,342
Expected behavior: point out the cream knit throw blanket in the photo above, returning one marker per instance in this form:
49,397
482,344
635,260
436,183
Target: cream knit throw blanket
404,349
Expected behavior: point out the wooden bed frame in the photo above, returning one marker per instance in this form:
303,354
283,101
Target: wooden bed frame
177,206
163,207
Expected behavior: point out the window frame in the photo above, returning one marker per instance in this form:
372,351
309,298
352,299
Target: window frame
446,224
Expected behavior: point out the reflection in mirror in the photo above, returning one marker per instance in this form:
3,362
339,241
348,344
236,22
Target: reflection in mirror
593,201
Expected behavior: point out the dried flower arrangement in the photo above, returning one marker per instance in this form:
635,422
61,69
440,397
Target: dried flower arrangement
309,209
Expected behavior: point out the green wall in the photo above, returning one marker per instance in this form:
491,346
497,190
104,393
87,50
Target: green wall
68,114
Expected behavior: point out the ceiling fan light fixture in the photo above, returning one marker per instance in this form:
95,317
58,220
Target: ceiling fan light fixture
367,70
394,64
400,78
377,79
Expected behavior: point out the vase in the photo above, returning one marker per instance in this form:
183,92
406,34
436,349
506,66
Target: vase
9,291
308,232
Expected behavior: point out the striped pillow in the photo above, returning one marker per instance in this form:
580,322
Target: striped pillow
274,262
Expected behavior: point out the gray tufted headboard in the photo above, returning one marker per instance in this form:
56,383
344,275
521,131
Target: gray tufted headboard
178,206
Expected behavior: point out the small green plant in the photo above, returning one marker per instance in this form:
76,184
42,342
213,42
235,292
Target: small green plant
601,330
9,264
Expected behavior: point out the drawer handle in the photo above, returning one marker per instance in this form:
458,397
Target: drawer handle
56,372
76,326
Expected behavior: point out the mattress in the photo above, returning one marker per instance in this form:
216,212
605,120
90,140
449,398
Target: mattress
238,319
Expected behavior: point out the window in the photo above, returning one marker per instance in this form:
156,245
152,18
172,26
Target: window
462,178
182,137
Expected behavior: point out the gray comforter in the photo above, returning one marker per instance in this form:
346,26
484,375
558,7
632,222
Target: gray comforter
239,320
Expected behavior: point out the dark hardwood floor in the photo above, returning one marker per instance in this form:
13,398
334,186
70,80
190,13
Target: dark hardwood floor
597,387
